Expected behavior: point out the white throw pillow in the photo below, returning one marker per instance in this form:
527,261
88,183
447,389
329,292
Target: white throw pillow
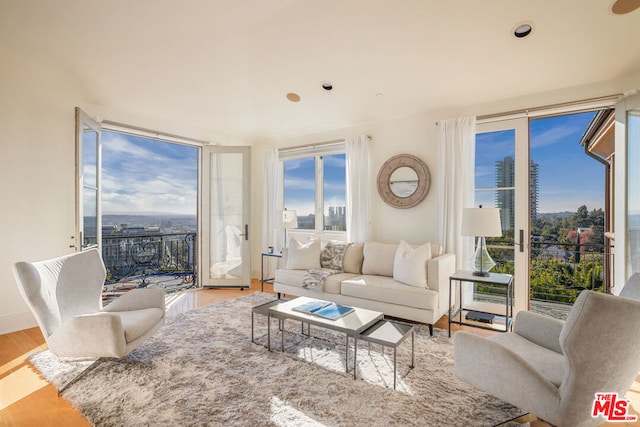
303,256
410,264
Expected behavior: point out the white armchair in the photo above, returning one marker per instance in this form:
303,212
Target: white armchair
65,296
553,369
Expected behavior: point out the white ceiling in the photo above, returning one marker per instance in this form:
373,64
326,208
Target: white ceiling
226,65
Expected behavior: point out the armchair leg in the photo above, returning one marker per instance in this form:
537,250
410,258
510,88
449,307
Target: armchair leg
93,366
430,329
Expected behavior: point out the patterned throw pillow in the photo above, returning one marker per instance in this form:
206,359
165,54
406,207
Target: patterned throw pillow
333,254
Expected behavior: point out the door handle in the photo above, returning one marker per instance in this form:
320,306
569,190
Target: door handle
246,232
521,244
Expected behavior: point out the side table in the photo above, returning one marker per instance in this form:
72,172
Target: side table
462,276
262,279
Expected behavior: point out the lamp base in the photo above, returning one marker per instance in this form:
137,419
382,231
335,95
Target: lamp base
481,273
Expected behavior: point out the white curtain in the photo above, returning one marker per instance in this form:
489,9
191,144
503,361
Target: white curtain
456,182
358,184
270,194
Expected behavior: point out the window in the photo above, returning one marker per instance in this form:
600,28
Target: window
334,193
314,185
88,180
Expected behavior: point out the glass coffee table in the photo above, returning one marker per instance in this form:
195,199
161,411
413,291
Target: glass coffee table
388,333
352,324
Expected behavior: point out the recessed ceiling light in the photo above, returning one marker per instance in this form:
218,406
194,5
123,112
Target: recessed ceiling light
293,97
327,86
522,30
379,95
620,7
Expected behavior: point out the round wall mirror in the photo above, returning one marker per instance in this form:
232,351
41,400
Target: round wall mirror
403,181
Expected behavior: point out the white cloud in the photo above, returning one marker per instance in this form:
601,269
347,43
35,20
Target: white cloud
138,180
299,184
553,135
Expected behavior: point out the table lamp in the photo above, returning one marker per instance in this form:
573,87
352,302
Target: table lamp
481,222
288,220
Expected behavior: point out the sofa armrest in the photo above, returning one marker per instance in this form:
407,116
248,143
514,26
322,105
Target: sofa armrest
542,330
138,299
92,335
438,271
501,372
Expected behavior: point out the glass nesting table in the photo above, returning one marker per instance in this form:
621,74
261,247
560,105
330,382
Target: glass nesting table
360,324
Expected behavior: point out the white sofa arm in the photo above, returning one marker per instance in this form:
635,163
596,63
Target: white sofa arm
500,371
439,269
138,299
540,329
91,335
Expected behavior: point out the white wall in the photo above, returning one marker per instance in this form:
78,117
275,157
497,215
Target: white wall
37,164
38,188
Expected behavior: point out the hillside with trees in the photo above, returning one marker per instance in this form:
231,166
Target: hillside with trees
567,255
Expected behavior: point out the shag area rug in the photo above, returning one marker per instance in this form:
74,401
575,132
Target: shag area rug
203,370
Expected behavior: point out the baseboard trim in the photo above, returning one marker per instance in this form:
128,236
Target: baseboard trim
17,322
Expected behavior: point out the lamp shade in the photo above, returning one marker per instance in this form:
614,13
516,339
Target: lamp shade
481,222
288,219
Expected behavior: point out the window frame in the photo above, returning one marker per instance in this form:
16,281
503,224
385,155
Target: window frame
318,153
84,122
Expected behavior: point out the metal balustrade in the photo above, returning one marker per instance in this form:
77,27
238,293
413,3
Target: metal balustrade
558,272
134,260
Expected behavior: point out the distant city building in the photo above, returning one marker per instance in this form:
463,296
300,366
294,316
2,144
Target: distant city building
337,219
505,199
307,222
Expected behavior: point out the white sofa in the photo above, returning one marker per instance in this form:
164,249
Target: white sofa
367,280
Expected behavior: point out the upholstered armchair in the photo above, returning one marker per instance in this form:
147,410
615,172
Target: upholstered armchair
65,296
553,369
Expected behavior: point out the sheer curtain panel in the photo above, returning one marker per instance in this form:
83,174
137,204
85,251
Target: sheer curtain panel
456,179
357,170
270,194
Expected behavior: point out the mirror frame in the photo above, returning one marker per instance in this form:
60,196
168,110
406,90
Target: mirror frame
384,184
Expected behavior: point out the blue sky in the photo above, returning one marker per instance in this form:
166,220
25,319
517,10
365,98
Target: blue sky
148,176
144,176
567,177
299,178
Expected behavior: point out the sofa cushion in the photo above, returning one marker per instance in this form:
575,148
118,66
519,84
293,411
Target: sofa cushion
378,258
333,283
410,264
353,257
289,277
436,250
303,256
294,278
385,289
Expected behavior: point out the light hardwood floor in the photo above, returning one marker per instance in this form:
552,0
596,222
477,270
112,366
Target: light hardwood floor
27,400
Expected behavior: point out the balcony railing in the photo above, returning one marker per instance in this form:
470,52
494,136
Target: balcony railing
135,259
558,272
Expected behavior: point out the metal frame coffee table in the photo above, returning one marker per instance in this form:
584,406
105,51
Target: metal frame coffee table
351,325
